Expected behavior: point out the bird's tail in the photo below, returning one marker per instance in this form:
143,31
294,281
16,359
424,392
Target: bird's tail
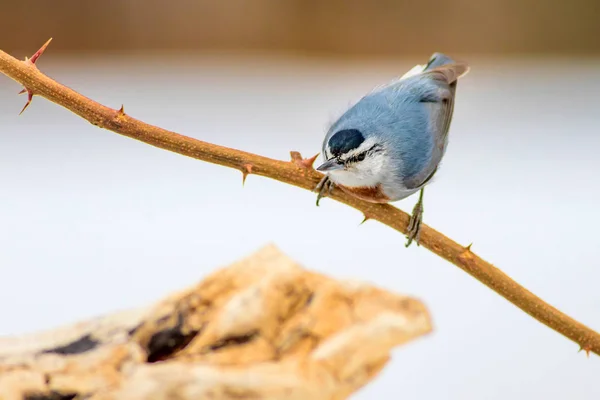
437,60
451,69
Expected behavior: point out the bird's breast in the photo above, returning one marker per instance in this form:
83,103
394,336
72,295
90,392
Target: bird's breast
373,194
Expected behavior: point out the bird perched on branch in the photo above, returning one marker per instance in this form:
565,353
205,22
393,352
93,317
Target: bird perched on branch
389,145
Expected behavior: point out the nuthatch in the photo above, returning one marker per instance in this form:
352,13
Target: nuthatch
389,145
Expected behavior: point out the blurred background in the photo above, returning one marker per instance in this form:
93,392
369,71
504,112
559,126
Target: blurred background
93,222
330,28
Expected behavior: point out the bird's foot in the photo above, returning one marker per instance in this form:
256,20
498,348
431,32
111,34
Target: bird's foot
414,224
324,188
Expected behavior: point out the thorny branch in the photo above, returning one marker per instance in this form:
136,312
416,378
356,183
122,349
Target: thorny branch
297,172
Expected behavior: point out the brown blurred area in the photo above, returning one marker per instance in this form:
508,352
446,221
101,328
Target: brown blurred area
332,27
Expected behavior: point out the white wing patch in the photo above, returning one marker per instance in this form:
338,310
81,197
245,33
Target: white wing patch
416,70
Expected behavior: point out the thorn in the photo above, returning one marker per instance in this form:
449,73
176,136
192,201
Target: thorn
32,61
246,170
303,162
38,53
295,156
468,248
120,114
29,98
308,162
585,348
365,219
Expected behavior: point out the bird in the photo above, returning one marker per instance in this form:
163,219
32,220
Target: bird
390,143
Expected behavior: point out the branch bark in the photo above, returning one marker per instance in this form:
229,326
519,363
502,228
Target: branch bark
299,173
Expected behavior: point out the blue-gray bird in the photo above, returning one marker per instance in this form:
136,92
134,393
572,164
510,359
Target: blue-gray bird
390,143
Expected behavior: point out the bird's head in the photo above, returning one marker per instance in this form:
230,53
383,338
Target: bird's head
348,153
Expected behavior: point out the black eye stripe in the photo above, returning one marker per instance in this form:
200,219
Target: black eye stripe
376,148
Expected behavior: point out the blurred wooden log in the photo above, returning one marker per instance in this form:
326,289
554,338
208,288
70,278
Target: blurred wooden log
262,328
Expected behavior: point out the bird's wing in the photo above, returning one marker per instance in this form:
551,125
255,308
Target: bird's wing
437,94
442,105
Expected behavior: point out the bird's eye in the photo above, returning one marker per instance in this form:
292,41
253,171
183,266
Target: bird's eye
361,156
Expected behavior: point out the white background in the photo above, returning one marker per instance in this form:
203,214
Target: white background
93,222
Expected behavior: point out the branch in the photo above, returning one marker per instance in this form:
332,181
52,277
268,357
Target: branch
262,328
299,173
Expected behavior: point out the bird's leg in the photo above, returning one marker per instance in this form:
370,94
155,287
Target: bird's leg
324,187
414,225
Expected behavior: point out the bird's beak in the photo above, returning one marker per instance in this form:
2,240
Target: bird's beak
330,165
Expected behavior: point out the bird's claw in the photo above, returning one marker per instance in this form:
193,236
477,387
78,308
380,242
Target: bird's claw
414,224
324,188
